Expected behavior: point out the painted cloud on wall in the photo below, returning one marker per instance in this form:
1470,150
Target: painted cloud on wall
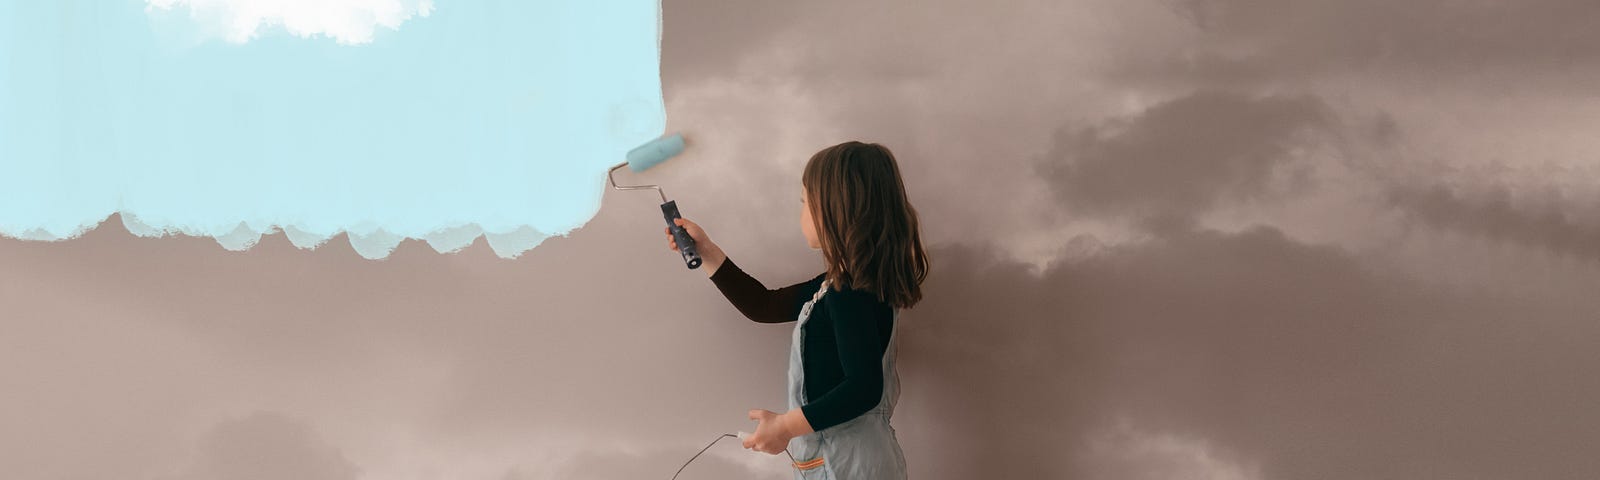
493,118
348,21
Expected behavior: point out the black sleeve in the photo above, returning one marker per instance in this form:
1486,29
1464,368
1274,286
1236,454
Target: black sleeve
856,332
758,303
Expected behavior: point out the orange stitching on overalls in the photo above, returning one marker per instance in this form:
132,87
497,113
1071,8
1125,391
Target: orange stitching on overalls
810,464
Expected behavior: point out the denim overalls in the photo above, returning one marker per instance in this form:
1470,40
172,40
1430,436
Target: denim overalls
859,449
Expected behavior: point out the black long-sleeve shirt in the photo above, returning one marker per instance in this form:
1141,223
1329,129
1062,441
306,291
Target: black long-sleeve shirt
846,336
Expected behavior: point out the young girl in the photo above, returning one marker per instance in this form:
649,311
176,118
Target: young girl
842,381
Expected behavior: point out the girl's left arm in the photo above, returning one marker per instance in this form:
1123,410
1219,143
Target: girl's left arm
855,331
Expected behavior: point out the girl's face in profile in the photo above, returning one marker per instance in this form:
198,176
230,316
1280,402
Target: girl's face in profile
806,225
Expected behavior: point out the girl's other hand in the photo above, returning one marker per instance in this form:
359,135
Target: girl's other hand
771,435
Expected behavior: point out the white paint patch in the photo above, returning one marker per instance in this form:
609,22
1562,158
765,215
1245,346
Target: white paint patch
346,21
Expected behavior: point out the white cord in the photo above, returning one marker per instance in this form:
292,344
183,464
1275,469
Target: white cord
740,435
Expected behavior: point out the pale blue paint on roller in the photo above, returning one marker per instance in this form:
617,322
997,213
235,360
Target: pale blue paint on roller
654,152
497,118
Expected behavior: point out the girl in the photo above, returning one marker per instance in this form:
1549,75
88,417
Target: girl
842,384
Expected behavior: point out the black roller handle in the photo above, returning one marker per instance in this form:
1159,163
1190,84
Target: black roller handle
691,257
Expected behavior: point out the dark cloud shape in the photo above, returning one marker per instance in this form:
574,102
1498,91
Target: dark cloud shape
1248,41
1550,224
1302,359
1184,156
267,446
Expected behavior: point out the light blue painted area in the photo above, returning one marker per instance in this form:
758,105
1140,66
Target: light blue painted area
491,117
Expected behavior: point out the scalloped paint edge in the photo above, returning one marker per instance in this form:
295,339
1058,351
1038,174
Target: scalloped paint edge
375,244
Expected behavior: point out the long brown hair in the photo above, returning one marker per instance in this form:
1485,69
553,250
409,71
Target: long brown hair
867,229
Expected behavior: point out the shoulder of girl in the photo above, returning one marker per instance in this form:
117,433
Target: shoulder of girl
853,295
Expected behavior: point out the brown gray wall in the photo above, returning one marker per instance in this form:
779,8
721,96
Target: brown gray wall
1207,239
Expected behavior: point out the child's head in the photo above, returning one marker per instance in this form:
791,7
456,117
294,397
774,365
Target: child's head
854,209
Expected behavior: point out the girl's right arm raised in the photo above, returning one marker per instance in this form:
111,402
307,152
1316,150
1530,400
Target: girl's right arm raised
758,303
746,293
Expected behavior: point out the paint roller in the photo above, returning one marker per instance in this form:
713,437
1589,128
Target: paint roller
643,157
